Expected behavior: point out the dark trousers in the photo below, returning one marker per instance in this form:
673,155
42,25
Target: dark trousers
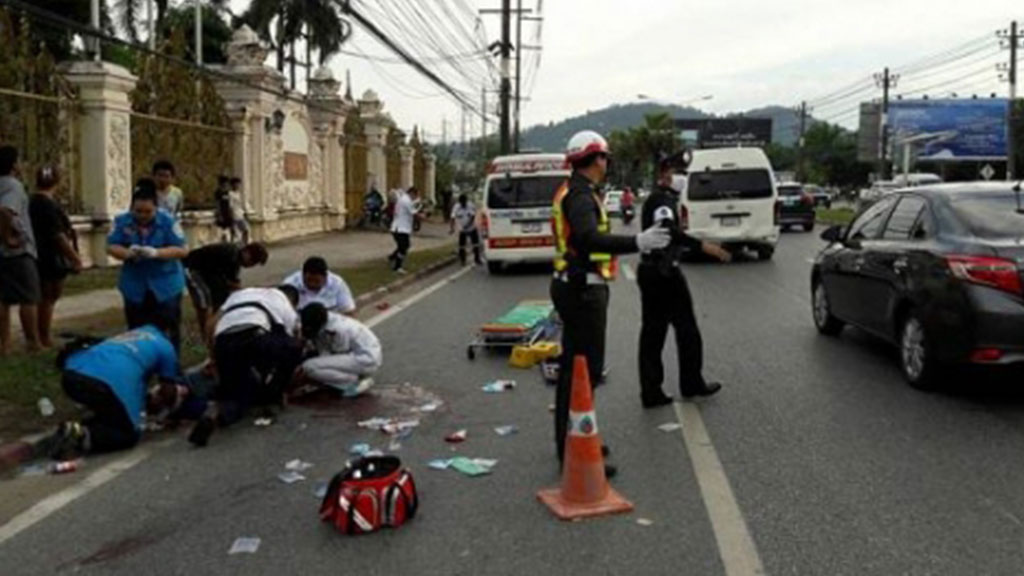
584,313
402,243
472,236
152,311
666,301
255,367
110,428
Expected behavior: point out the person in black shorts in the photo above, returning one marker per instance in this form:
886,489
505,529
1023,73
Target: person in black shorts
19,278
56,244
212,273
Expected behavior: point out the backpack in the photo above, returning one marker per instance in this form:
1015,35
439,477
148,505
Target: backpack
369,494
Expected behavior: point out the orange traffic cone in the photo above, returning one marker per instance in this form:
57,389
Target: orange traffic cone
585,491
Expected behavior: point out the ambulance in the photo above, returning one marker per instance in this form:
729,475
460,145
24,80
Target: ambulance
515,220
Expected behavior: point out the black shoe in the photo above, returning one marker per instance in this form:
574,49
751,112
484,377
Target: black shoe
202,431
610,471
709,389
66,443
605,450
656,401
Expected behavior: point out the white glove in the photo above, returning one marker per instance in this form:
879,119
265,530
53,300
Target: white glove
654,238
133,251
146,252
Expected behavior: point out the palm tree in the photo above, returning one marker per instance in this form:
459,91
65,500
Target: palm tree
132,14
283,22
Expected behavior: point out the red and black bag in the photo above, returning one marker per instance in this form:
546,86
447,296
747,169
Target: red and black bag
369,494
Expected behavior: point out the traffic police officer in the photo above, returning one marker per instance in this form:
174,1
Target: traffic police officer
665,295
585,264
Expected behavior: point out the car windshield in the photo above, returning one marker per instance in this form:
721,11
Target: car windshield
789,191
523,192
730,185
990,216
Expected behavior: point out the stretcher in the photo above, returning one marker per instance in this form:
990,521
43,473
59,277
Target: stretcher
525,324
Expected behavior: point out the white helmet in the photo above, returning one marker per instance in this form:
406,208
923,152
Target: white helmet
584,144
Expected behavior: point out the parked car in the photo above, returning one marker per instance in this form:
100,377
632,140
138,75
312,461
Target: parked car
869,196
797,206
936,270
820,195
613,202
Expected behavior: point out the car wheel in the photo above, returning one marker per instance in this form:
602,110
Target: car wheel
809,226
824,321
765,252
494,267
916,355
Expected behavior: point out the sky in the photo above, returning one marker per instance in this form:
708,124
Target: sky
743,53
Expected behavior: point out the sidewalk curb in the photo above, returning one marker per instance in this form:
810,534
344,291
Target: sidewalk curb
14,454
380,293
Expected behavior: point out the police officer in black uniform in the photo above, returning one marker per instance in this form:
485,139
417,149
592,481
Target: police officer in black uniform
584,265
665,295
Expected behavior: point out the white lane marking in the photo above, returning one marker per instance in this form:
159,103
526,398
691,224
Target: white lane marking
628,272
42,509
735,545
55,502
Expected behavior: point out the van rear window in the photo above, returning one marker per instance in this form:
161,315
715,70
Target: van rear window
729,185
525,192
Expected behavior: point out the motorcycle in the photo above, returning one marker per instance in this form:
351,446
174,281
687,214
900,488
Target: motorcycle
628,213
373,212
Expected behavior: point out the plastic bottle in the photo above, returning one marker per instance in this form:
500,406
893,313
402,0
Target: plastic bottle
46,407
64,467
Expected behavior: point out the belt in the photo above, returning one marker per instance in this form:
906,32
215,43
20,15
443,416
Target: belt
593,278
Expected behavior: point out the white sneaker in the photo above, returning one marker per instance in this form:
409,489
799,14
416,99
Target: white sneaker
363,385
401,271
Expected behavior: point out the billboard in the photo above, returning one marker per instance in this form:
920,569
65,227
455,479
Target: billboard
726,132
976,128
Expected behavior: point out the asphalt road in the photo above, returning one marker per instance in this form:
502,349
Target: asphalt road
834,464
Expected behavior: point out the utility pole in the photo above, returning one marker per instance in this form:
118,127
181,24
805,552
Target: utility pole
885,81
1011,110
519,69
94,20
506,86
150,30
800,142
199,33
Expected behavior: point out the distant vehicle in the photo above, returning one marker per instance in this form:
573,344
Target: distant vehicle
936,270
730,198
613,202
820,195
797,206
869,196
916,179
516,212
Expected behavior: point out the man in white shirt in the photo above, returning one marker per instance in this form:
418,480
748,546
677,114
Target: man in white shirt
464,216
348,352
316,283
256,350
401,228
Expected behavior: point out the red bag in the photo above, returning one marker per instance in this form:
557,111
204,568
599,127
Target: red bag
369,494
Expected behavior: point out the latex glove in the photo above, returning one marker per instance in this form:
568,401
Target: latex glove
654,238
147,252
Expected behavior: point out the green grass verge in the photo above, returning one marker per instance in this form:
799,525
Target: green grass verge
24,379
835,216
91,279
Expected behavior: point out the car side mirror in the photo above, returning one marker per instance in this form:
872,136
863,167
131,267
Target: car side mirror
833,234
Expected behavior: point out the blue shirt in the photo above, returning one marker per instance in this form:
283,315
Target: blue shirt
164,278
126,362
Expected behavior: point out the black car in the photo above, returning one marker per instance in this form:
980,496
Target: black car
796,207
936,270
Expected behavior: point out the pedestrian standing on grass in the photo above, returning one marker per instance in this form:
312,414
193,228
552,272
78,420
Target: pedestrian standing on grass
401,228
239,210
19,276
57,246
110,378
169,197
151,244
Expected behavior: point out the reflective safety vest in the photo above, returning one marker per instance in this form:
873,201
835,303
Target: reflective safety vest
606,264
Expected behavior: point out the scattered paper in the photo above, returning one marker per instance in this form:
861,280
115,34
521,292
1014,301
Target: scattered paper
262,422
644,522
390,425
373,454
321,490
395,445
506,430
431,407
670,427
245,546
290,477
298,465
440,464
359,449
473,467
456,437
499,386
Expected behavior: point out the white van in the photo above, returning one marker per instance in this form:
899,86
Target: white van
516,213
730,198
